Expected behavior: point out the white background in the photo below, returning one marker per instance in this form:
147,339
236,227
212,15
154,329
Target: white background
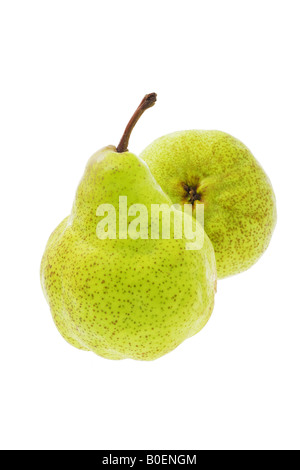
72,73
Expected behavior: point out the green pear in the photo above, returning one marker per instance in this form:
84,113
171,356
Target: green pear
219,171
125,297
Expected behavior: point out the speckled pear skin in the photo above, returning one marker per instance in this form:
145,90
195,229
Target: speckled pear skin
239,202
135,299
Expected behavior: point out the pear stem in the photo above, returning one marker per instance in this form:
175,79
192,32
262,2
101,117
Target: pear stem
147,102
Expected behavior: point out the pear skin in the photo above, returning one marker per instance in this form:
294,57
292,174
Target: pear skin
128,298
218,170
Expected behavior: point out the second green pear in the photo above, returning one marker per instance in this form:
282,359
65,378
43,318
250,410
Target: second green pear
216,169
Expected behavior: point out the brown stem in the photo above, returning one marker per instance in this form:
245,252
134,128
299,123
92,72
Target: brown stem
147,102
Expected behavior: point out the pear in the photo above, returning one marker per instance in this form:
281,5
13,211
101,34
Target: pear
119,296
216,169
